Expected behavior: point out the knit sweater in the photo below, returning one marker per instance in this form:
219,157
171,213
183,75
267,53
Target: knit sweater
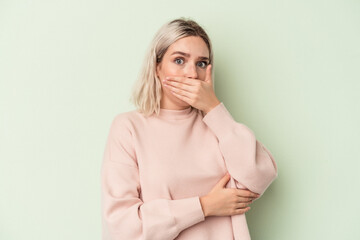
155,169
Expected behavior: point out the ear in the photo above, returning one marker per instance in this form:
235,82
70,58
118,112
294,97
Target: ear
158,69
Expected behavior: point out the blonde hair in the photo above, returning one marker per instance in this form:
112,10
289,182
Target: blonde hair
146,93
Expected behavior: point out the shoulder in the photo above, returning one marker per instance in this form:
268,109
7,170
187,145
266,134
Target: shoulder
124,117
128,120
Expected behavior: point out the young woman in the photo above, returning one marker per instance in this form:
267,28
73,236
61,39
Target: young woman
167,165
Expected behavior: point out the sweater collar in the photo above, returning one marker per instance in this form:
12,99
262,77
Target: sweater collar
175,114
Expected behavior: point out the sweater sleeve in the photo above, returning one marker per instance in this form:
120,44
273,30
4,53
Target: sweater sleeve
248,161
124,214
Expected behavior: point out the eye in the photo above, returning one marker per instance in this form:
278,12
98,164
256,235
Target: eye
178,59
204,64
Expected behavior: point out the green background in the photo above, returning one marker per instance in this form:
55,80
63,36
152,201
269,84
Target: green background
289,70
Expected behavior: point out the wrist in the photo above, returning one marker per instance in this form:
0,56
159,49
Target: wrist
213,106
204,205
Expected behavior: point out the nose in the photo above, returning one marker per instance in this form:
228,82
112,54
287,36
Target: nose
191,71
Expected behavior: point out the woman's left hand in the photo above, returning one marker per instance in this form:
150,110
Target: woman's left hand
198,93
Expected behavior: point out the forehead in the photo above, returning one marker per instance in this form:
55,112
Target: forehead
194,45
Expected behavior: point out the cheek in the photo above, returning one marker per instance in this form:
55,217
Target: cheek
170,69
202,75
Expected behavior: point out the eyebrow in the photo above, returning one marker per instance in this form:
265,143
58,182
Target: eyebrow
188,55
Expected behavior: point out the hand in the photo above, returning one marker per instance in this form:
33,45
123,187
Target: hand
199,94
222,201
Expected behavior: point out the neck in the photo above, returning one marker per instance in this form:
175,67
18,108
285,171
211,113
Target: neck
166,103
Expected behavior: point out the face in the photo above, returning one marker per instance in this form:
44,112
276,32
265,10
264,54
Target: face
187,57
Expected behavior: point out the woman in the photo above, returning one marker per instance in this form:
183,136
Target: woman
167,165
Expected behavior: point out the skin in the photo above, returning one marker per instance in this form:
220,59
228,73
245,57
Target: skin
222,201
189,77
187,81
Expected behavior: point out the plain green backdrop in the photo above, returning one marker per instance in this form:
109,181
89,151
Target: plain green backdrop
289,70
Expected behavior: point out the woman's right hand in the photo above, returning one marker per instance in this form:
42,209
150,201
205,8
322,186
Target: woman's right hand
222,201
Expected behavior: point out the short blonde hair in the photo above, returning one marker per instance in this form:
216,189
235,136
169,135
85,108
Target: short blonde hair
146,93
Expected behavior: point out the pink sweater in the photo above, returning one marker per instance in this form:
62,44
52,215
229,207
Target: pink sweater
155,169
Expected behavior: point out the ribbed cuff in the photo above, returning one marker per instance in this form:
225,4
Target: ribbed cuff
187,212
